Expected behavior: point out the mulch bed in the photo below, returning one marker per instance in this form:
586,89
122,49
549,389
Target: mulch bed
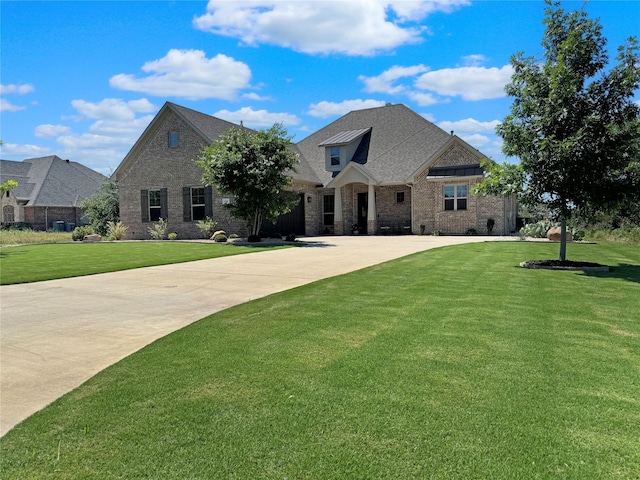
565,265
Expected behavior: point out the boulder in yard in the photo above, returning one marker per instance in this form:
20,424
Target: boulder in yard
553,234
93,238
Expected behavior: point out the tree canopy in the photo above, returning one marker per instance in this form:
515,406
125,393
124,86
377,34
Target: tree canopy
253,167
573,123
102,207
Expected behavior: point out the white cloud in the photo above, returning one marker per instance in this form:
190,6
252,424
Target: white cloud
470,83
6,106
361,27
188,74
476,140
474,60
113,108
17,89
127,132
255,96
384,83
25,150
424,99
50,131
469,125
257,118
326,109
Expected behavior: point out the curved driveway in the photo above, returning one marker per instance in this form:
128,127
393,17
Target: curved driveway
55,335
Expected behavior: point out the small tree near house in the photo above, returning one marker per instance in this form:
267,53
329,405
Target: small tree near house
254,168
573,124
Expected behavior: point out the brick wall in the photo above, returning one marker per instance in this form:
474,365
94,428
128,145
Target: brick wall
428,198
42,218
158,166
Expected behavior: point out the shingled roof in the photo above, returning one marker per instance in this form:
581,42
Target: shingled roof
399,142
50,181
209,128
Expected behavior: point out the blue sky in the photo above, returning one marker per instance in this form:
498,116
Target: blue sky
83,79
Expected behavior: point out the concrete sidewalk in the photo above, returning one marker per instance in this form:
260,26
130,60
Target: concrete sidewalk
55,335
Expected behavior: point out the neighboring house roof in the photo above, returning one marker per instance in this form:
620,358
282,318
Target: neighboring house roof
394,143
208,127
50,181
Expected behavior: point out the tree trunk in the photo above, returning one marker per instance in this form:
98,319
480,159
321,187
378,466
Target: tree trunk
257,223
563,237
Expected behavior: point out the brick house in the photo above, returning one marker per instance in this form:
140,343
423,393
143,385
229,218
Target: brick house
48,192
382,170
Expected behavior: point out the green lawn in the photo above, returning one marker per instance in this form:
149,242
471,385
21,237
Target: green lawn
449,364
34,263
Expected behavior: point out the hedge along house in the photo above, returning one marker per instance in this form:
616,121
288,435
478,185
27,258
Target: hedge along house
48,192
379,170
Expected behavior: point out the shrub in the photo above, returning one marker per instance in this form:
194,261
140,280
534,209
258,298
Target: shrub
276,235
233,235
207,227
291,237
436,232
217,232
253,238
159,230
490,224
79,232
173,236
471,231
220,238
422,229
116,230
537,230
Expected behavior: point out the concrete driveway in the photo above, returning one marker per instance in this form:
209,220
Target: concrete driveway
55,335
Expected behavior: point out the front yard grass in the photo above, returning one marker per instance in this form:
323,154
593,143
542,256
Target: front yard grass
453,363
34,263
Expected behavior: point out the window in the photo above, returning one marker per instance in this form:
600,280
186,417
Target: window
8,214
399,197
455,197
328,210
335,156
198,209
173,139
155,206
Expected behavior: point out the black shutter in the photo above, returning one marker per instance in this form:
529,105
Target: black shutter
164,211
208,201
144,205
186,204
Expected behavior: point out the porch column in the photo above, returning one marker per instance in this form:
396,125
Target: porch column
371,211
338,224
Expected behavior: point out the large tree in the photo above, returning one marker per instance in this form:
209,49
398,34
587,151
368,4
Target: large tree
253,167
102,207
573,122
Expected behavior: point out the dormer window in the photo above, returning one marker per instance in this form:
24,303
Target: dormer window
334,156
341,148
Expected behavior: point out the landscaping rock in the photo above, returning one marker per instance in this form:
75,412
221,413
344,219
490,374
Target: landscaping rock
554,234
93,238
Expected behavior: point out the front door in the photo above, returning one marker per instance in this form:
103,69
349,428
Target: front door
363,206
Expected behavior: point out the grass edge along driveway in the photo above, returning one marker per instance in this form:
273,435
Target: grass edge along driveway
34,263
451,363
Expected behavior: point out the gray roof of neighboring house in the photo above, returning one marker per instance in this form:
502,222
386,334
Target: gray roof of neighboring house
50,181
399,142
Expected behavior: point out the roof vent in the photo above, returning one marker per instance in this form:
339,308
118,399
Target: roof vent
452,133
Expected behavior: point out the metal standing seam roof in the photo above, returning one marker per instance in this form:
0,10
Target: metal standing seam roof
455,171
344,138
